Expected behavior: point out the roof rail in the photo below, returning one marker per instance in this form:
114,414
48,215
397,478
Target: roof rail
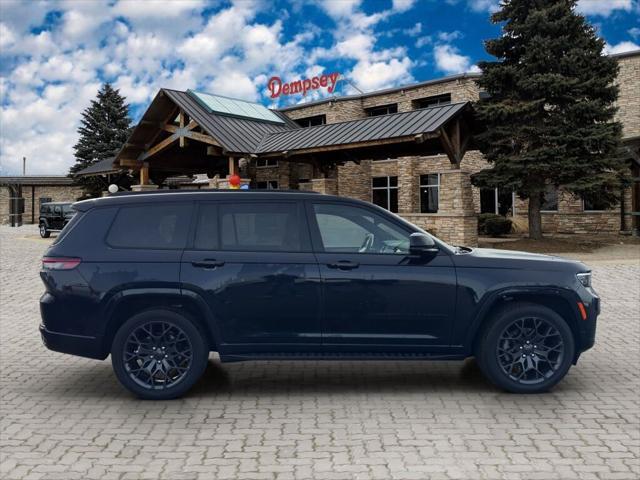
204,190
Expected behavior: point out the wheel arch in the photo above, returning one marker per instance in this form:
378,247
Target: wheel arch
552,299
125,304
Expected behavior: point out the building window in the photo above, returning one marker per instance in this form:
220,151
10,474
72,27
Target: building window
382,110
433,101
312,121
268,185
482,95
429,193
384,192
266,162
593,203
550,199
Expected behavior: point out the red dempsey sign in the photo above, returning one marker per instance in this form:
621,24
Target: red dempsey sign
277,88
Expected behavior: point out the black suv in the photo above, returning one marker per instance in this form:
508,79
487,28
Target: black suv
53,217
160,280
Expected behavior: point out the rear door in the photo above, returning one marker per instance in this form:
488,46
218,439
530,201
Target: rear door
253,264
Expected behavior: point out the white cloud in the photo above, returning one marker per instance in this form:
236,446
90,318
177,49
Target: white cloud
403,5
621,47
424,41
603,8
449,36
489,6
449,60
339,8
375,75
414,31
634,32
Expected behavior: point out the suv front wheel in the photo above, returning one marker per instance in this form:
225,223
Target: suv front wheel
526,348
159,354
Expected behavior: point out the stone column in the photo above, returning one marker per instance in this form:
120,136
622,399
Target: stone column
408,184
327,186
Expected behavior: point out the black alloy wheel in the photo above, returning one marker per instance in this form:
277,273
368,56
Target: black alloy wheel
530,350
525,348
44,233
159,354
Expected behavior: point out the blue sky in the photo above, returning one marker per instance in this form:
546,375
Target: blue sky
55,55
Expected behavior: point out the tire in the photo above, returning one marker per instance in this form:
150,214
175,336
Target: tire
158,367
526,348
44,233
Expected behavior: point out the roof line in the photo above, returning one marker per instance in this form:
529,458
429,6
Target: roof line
384,91
271,135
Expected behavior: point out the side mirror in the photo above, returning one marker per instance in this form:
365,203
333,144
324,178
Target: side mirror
422,245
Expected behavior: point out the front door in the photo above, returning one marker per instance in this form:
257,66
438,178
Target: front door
253,263
376,297
57,219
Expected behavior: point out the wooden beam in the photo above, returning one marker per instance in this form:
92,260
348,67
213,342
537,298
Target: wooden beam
182,120
232,166
448,147
201,137
129,162
144,174
170,128
192,124
164,144
170,117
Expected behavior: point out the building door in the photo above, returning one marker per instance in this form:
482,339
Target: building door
374,295
252,263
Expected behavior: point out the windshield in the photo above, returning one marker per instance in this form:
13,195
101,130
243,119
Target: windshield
67,209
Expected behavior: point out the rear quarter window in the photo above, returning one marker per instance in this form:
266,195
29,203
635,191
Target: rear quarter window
160,226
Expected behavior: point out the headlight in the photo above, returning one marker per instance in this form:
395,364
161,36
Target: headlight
584,279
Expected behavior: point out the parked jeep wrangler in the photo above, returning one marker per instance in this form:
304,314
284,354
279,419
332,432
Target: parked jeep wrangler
159,280
53,217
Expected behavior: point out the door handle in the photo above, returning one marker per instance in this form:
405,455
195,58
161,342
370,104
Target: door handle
208,263
343,265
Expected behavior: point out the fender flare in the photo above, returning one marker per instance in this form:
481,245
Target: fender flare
166,297
507,294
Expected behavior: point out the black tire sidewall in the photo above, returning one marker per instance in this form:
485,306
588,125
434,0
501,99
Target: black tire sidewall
198,362
488,360
44,233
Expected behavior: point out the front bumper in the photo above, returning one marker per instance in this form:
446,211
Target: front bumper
90,347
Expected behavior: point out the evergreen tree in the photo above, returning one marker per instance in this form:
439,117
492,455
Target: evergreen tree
548,119
103,130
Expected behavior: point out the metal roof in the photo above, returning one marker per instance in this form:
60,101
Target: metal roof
101,167
395,125
37,180
235,134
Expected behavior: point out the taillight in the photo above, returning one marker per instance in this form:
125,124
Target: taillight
60,263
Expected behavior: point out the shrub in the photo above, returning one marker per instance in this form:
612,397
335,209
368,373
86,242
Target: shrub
482,221
497,226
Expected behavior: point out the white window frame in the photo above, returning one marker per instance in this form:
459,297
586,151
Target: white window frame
388,188
266,160
429,186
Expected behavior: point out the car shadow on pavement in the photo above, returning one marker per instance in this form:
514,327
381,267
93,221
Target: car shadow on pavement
288,377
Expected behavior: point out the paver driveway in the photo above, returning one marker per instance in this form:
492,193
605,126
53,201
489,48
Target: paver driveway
66,417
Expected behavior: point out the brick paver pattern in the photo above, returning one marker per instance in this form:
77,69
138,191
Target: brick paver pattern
64,417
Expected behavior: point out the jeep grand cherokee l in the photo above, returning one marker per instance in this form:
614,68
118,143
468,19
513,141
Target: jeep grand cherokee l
159,280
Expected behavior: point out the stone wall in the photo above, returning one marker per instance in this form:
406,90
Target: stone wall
629,96
57,193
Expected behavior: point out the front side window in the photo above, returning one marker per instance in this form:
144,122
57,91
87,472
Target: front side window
147,226
550,199
429,193
350,229
384,192
270,227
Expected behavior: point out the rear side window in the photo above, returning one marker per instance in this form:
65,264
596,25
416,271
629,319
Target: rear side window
162,226
274,227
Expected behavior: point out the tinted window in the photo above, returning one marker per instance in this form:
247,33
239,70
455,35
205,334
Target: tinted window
348,229
207,227
150,226
273,227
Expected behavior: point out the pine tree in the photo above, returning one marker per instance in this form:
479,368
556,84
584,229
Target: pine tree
103,130
549,116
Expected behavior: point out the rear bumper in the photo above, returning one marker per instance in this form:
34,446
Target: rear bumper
90,347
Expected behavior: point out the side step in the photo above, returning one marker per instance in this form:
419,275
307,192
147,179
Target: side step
381,356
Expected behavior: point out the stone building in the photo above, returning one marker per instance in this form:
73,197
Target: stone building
407,149
34,190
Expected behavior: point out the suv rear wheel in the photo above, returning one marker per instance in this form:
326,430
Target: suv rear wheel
44,233
526,348
159,354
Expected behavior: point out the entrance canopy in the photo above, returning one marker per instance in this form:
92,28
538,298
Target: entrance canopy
194,132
